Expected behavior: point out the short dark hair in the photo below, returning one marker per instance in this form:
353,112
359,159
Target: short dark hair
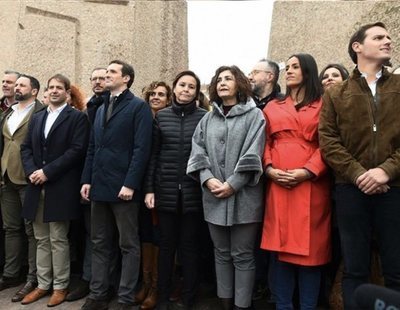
33,81
183,73
243,84
153,85
359,36
62,79
127,70
312,86
343,71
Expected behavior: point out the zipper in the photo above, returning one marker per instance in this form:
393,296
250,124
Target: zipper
181,146
373,104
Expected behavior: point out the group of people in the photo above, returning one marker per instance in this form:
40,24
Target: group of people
256,168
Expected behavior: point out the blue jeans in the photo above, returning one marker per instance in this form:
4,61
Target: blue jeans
358,216
309,279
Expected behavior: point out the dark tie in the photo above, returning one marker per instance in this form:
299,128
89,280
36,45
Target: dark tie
113,99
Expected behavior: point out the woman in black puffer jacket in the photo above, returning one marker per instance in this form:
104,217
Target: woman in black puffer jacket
176,197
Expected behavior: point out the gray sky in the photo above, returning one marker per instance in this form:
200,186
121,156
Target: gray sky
227,33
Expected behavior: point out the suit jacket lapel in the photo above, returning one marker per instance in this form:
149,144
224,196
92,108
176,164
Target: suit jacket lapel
60,119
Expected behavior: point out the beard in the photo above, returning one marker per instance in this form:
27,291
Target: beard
22,97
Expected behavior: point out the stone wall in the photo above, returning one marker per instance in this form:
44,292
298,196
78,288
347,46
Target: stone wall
43,37
323,28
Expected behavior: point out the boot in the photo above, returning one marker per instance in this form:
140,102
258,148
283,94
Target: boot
147,251
151,300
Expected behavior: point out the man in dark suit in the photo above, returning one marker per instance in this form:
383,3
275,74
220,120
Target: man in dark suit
13,129
52,155
115,165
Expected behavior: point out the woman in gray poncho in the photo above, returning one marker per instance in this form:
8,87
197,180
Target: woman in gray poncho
227,148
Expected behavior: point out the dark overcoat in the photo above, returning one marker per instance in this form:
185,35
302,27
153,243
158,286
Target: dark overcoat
61,157
119,149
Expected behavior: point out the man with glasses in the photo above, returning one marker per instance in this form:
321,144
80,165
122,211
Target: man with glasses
264,82
97,81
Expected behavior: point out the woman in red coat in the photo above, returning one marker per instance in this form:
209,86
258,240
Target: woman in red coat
297,218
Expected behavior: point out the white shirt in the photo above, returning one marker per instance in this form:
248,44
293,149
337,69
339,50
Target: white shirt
17,116
372,85
51,118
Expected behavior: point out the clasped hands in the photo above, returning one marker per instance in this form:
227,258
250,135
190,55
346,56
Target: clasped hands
219,189
288,178
373,181
38,177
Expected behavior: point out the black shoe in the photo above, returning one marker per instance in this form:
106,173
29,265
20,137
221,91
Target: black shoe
92,304
25,290
122,306
81,290
6,282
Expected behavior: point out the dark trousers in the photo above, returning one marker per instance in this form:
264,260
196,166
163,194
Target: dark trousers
358,216
178,232
105,217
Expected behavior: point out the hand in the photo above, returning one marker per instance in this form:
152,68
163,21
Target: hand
369,181
126,193
299,175
381,189
280,177
85,192
223,191
149,200
38,177
213,183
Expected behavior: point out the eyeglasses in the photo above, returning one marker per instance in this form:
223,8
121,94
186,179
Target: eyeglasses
255,72
100,78
159,94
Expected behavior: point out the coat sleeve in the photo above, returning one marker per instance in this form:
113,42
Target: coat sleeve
199,166
149,180
249,168
267,159
142,127
28,161
392,165
332,149
75,152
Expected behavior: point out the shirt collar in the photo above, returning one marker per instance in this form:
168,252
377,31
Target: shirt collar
58,110
15,106
377,75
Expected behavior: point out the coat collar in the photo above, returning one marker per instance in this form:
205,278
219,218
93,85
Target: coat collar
184,108
122,100
238,109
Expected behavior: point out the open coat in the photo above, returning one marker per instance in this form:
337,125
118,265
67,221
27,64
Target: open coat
230,149
297,220
61,157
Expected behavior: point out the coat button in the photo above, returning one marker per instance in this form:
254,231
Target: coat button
43,162
222,142
223,165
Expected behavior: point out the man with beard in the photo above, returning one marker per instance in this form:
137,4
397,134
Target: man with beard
8,84
14,127
97,81
264,82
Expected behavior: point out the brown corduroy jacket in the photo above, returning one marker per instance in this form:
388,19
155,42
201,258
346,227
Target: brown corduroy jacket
359,131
